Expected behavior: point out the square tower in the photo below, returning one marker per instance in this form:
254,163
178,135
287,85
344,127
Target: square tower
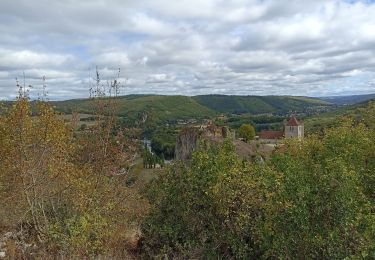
294,129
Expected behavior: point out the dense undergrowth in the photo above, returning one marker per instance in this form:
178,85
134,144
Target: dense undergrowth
313,200
64,190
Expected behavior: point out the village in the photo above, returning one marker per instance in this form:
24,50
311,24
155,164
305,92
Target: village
260,147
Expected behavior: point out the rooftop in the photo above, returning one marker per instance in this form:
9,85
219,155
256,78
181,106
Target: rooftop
294,122
271,134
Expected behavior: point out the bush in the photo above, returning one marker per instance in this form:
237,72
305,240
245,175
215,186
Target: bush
71,189
324,210
247,132
313,199
206,210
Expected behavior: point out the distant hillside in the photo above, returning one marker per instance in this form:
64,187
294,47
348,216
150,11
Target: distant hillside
257,104
360,112
161,108
164,108
348,100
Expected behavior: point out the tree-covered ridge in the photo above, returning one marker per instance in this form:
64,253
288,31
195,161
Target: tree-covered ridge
169,108
348,100
133,107
257,104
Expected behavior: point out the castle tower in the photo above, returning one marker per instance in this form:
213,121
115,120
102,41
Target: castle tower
293,128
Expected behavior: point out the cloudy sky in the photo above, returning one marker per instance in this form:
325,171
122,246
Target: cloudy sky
190,47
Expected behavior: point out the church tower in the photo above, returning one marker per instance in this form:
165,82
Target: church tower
294,129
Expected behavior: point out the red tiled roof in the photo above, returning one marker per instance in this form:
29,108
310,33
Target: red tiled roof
271,134
293,122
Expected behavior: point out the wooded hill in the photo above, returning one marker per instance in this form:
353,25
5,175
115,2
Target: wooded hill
348,100
163,108
160,108
257,104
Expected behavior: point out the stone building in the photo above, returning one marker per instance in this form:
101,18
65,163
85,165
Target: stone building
271,137
293,128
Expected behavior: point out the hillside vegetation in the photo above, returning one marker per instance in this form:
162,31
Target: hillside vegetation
257,104
348,100
161,108
166,108
359,112
312,200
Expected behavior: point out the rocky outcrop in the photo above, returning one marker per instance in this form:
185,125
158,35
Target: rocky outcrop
187,140
186,143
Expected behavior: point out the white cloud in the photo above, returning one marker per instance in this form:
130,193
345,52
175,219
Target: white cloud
112,59
30,59
144,24
160,78
190,47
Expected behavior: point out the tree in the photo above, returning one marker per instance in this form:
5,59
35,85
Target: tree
314,199
99,196
67,188
323,209
247,132
209,209
35,164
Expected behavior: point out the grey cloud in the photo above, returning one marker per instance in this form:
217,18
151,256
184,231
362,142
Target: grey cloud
190,47
160,78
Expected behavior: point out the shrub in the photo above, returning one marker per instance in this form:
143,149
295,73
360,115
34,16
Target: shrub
247,132
313,199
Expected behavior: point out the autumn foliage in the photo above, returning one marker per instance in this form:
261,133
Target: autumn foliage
67,188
